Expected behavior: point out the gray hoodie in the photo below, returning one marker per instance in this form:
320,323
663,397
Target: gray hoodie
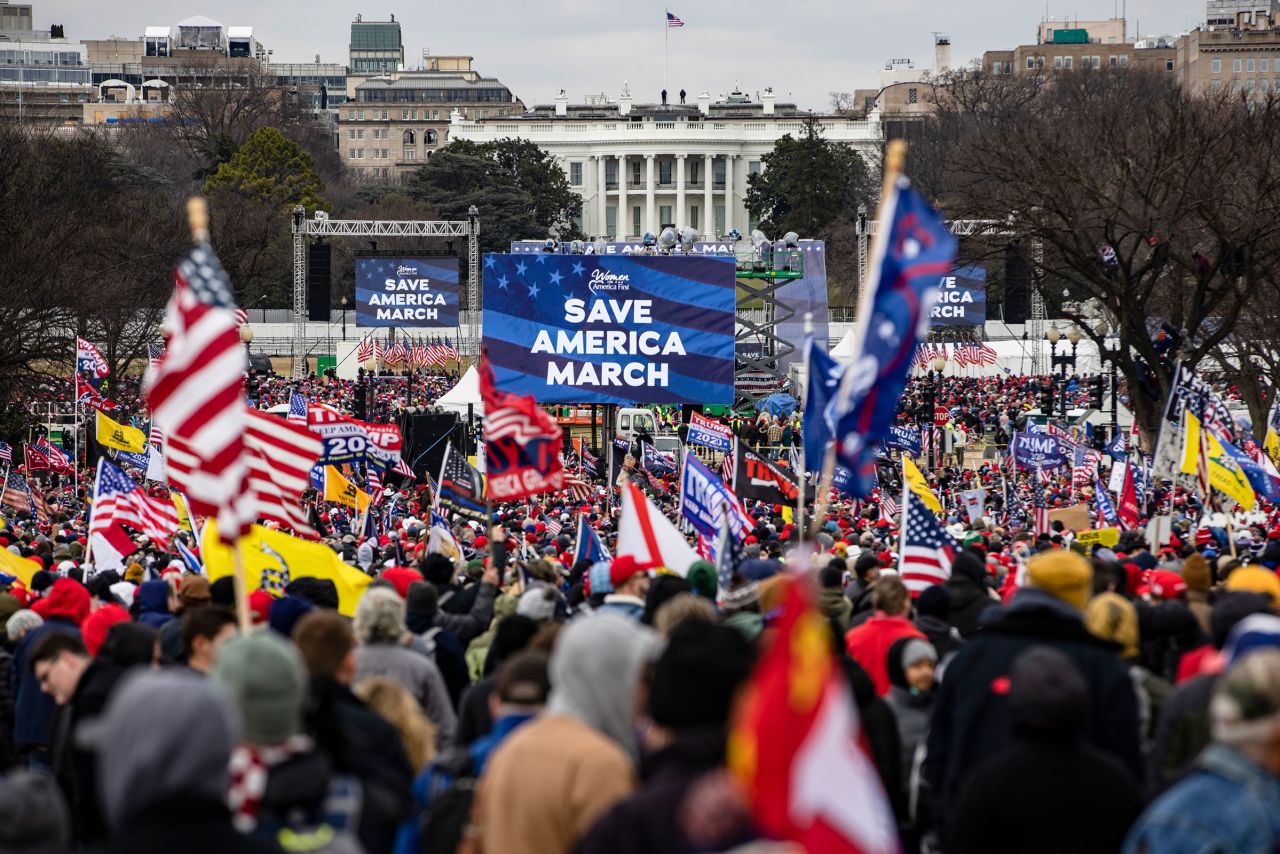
595,671
148,749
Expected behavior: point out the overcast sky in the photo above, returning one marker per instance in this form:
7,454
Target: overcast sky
802,48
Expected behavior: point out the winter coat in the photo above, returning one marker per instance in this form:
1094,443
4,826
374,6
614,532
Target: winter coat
471,624
34,709
474,717
418,675
835,606
153,604
881,729
75,767
971,720
360,742
1182,731
649,819
969,598
186,824
1044,795
868,644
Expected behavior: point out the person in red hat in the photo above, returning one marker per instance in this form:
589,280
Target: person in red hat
630,579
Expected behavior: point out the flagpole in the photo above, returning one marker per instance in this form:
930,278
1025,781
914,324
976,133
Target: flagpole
903,513
894,160
666,41
804,462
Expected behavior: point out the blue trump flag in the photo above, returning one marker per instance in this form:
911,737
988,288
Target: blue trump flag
904,439
1102,503
823,380
705,500
913,254
587,544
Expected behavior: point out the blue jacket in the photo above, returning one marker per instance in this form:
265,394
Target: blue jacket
33,709
1228,804
153,604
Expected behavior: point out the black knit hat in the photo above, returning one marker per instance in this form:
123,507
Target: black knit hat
1047,693
695,677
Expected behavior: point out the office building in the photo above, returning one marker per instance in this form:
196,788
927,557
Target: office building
376,46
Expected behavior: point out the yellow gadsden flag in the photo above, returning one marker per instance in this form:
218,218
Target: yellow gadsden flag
918,485
338,488
1225,474
272,559
114,435
23,569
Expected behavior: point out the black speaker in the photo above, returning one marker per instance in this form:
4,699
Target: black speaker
425,436
318,275
1017,285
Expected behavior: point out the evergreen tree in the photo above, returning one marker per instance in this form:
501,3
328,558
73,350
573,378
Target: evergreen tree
272,169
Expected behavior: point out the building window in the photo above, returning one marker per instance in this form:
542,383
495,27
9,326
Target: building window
1057,63
611,176
575,173
664,172
719,219
611,220
1264,84
1250,85
430,138
1031,62
1067,61
717,173
1124,62
693,217
1249,66
695,172
411,154
1168,65
351,133
664,216
636,228
1215,66
1264,66
1235,87
1215,86
913,95
635,173
351,153
1113,61
408,137
1236,65
753,167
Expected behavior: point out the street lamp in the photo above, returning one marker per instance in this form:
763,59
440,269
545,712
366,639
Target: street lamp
1102,329
246,337
344,317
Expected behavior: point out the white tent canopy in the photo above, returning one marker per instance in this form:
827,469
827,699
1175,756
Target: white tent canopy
465,393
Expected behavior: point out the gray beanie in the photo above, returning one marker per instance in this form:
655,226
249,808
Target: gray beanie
538,603
266,679
915,650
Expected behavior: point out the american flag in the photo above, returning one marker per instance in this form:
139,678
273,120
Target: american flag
888,507
986,355
726,468
402,468
452,351
927,548
196,392
17,495
242,317
577,487
281,454
58,461
395,355
960,353
673,21
297,408
375,485
1039,511
155,352
6,452
118,501
554,527
364,352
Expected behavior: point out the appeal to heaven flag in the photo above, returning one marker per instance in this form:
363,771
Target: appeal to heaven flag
112,434
272,559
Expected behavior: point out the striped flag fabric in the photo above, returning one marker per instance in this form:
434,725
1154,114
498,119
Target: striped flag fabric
960,353
888,506
986,355
673,22
402,468
58,460
155,352
726,468
297,408
242,317
17,495
375,484
187,556
6,452
90,360
452,351
927,548
281,454
577,487
35,458
119,502
364,350
554,526
395,355
196,391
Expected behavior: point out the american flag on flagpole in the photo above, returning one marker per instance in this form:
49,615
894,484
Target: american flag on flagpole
58,461
454,355
297,408
577,487
281,455
196,391
726,468
118,501
960,353
364,351
554,526
673,21
986,355
927,548
888,507
6,452
402,469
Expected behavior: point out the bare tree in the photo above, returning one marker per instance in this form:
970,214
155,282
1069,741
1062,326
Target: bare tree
217,103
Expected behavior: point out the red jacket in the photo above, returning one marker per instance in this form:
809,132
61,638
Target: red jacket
868,644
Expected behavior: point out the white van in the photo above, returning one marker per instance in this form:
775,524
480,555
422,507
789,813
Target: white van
632,421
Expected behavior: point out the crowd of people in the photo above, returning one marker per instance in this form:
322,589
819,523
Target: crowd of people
1048,696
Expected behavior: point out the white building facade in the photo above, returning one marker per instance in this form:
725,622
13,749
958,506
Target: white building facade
640,168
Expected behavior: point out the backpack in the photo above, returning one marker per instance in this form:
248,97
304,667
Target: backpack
444,822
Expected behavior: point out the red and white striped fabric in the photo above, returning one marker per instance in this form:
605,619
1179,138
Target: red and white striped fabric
927,548
986,355
242,317
117,502
577,487
364,352
888,507
282,454
196,392
395,355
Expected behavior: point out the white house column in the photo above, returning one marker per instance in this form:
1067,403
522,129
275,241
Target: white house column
682,216
728,191
650,187
602,196
708,224
623,221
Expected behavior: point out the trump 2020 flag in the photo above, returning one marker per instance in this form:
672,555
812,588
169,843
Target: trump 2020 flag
588,545
823,381
908,263
1102,504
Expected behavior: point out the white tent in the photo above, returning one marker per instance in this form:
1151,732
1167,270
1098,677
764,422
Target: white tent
466,392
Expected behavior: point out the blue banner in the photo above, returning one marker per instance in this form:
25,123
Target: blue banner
962,298
611,329
400,292
704,499
916,251
1037,450
656,461
904,439
1102,502
709,434
823,380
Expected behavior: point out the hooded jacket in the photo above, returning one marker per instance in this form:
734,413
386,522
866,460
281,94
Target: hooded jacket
153,604
64,609
970,595
552,778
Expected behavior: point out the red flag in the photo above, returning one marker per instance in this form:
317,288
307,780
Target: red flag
36,460
522,443
1129,512
797,748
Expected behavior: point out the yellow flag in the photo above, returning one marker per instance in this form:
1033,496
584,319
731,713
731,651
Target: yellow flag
272,559
184,514
918,485
118,436
11,564
1225,473
1271,444
338,488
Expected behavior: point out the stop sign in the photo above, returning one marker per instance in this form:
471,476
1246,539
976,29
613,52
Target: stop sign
941,416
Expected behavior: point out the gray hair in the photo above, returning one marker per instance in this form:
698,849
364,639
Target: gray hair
21,622
379,617
1245,709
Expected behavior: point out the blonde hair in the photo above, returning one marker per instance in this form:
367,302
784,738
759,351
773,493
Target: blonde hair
395,705
681,607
